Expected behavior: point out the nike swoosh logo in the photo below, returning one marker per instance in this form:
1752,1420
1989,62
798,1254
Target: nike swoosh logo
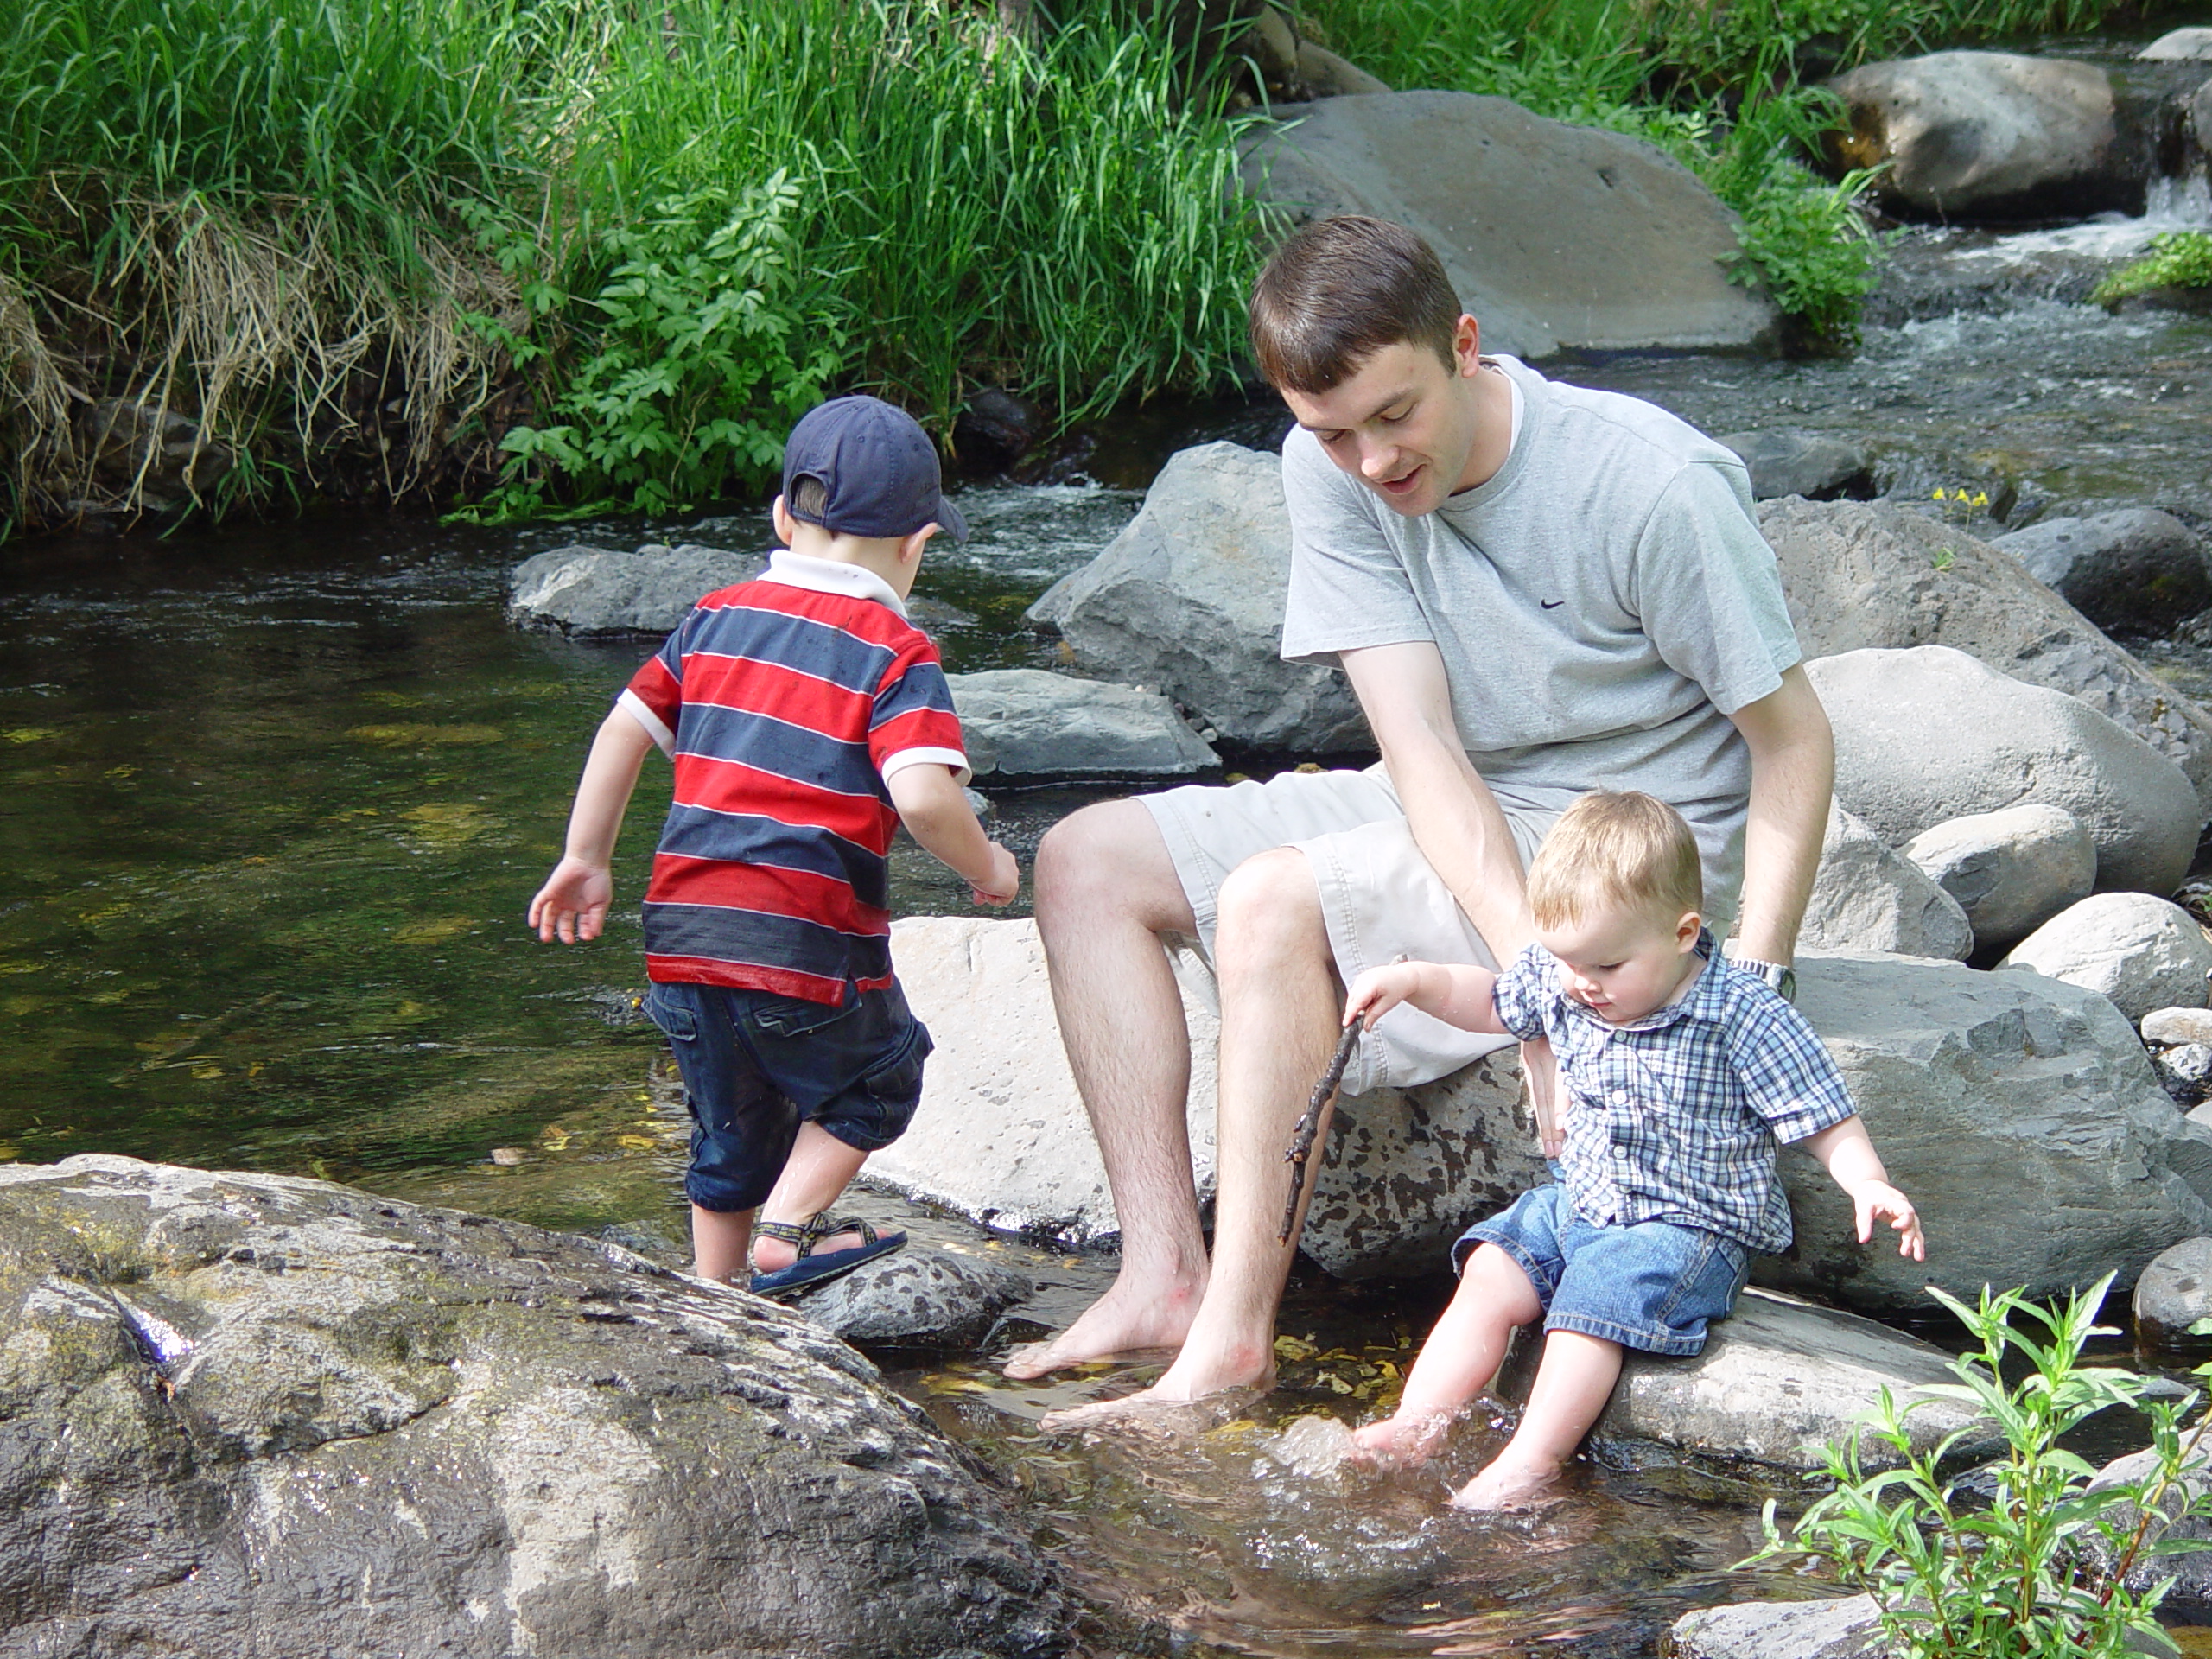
1552,604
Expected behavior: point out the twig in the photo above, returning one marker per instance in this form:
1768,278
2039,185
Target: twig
1309,1126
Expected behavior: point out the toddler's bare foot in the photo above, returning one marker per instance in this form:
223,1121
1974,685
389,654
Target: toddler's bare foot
1509,1485
1396,1441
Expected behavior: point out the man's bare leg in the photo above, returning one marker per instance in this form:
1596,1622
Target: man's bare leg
1280,1008
1106,891
1574,1382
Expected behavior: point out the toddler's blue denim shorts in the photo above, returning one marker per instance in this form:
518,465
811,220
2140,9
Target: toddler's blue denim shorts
756,1065
1652,1285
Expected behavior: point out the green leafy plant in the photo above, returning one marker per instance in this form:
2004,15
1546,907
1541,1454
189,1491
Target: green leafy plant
2049,1565
2177,259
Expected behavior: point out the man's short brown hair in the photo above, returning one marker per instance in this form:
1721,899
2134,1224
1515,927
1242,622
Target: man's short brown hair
1622,851
1341,289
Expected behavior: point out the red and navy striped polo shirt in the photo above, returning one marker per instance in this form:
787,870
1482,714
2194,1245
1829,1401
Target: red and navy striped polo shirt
784,703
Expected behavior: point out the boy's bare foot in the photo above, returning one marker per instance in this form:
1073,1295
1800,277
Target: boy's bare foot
1504,1484
1126,1319
1396,1441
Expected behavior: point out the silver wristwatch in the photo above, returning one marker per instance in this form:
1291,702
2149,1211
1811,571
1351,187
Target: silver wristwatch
1783,979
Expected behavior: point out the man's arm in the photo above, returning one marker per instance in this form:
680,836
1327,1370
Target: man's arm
574,898
1793,775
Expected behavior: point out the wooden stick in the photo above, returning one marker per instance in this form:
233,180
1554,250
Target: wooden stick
1309,1126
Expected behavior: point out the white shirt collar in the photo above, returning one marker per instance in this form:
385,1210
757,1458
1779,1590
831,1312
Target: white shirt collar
831,576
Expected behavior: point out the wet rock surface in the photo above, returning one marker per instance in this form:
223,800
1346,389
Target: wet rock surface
2010,871
1868,897
595,591
1555,235
2021,1115
1025,722
1843,1629
917,1300
1926,735
2136,569
2143,952
1188,599
2173,1292
247,1414
1785,461
1878,574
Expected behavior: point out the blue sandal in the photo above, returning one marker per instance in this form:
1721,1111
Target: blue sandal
812,1269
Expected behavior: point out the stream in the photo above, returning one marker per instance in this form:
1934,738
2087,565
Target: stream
272,802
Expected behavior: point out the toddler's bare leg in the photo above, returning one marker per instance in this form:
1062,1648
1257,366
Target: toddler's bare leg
1572,1383
718,1241
1461,1354
816,1175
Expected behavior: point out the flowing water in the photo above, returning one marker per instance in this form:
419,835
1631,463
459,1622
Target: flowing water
272,803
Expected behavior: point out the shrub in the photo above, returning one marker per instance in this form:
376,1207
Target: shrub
2177,259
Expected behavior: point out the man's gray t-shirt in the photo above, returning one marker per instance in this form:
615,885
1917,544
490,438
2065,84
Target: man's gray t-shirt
1602,604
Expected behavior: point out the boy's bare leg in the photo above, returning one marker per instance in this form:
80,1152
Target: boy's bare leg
1280,1005
1106,890
1459,1359
820,1168
1573,1385
718,1241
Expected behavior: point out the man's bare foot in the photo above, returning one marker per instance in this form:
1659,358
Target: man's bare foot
1123,1321
1248,1368
1396,1441
1505,1485
1152,1409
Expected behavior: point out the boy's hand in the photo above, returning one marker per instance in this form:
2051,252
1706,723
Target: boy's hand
573,903
1873,1199
1005,882
1378,990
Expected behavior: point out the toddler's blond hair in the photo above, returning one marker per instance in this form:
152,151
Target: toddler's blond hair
1622,849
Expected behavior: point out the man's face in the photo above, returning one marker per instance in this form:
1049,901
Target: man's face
1403,423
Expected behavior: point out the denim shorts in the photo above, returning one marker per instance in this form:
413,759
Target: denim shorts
1652,1285
756,1065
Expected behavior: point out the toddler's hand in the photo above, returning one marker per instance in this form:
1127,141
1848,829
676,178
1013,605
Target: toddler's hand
1005,882
1377,991
1880,1199
573,902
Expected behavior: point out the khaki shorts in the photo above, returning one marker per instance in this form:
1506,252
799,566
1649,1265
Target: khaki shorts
1379,898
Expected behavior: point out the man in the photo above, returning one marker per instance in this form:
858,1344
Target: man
1534,591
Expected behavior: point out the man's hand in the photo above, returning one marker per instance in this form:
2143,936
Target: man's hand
1005,882
1870,1200
1541,1069
574,901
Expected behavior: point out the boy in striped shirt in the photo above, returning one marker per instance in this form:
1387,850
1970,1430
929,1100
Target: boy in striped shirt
806,718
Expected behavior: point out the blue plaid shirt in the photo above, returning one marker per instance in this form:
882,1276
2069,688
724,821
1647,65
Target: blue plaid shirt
1675,1116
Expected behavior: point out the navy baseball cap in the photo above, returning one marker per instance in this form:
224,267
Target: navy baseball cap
877,467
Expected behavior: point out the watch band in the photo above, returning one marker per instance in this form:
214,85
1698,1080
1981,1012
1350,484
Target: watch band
1783,979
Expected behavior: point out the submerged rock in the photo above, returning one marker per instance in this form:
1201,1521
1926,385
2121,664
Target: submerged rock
596,591
917,1300
247,1414
1555,235
1189,598
2012,870
1875,574
1929,734
1024,722
2137,568
1843,1629
2143,952
1866,897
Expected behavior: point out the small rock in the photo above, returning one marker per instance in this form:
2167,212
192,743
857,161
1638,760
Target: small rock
2170,1027
1866,897
997,429
2010,871
1783,460
2189,44
508,1157
1327,75
917,1300
2173,1292
2141,951
1026,722
2190,1600
2184,1070
593,591
980,804
1928,734
159,452
2136,569
1843,1629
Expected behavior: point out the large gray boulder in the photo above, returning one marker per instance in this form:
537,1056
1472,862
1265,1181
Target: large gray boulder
1188,599
1983,136
2010,871
1554,237
2136,569
249,1414
1780,1382
1867,897
595,591
1845,1628
1928,734
2144,952
1024,722
2019,1113
1875,574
